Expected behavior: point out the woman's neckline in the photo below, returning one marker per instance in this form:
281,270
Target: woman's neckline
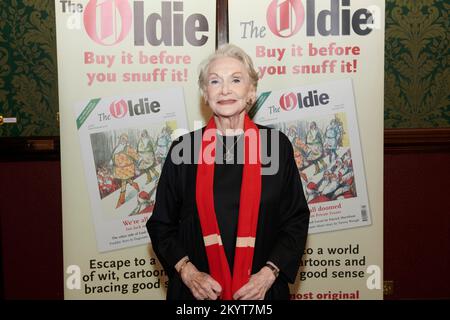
236,133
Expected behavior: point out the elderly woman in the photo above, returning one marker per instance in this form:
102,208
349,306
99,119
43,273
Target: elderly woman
222,227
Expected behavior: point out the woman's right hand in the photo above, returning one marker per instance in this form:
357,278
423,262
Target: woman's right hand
201,284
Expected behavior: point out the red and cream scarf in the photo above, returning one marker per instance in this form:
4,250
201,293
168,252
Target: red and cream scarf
248,210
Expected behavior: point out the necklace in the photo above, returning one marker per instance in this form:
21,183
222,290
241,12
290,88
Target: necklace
229,155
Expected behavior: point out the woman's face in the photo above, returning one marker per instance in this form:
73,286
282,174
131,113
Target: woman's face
228,87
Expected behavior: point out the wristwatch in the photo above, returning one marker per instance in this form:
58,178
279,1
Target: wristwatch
275,271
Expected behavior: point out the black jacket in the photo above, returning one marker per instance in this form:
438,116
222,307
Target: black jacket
175,229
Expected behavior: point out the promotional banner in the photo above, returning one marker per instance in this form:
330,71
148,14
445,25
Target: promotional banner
321,67
127,80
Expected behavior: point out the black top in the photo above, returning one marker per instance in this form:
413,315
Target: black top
227,192
174,226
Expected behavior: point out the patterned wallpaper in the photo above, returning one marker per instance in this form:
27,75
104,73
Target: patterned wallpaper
28,67
416,64
416,78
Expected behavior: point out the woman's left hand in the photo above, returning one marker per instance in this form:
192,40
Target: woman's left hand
257,286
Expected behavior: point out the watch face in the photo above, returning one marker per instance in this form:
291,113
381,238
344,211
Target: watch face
274,270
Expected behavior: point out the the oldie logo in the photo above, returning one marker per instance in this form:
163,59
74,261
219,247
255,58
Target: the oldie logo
119,109
109,22
286,18
290,101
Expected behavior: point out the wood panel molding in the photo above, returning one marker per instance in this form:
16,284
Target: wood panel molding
395,140
222,22
413,140
29,149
